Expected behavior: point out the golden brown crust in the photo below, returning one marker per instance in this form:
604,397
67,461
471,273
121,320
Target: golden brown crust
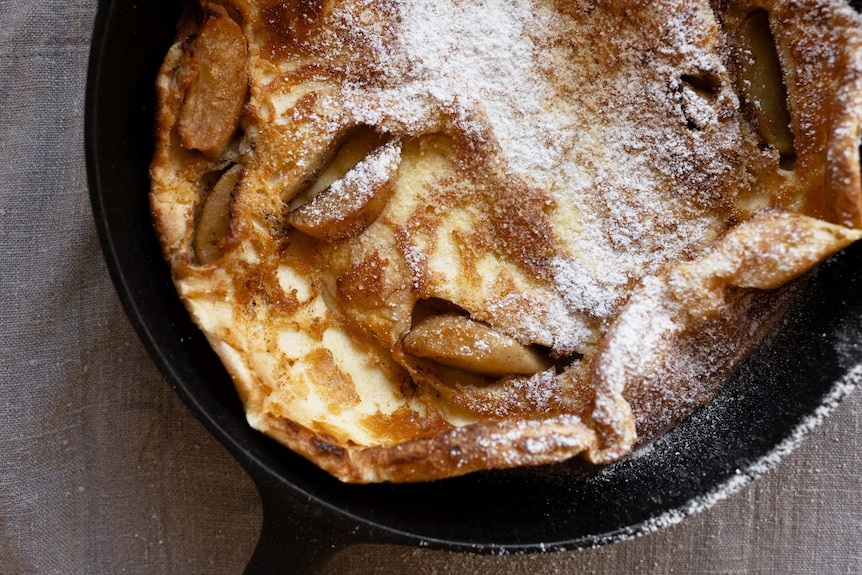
424,247
449,453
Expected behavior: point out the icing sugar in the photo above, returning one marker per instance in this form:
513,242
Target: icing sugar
629,179
468,59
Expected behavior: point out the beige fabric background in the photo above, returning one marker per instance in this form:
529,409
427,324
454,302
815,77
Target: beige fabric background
102,469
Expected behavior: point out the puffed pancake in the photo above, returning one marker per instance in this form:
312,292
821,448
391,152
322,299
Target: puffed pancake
431,237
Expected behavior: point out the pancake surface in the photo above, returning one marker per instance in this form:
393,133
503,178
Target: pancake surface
432,237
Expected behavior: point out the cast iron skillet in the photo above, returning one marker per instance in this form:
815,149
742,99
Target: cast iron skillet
808,365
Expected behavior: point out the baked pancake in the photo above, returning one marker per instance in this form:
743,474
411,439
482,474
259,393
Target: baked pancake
428,238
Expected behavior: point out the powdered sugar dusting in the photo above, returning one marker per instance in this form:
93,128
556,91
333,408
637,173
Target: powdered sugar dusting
630,154
469,60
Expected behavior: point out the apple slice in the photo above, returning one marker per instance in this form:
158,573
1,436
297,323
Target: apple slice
214,223
351,191
458,341
762,82
214,68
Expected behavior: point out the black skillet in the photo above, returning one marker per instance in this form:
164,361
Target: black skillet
809,364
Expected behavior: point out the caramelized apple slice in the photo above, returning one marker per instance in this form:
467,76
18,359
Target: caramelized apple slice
458,341
214,222
217,87
762,82
351,191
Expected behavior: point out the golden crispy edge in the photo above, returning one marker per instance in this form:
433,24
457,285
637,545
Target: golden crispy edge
491,445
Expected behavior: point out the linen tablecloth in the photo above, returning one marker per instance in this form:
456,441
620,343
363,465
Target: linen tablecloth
103,470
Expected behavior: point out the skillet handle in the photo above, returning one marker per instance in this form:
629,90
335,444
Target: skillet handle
299,536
